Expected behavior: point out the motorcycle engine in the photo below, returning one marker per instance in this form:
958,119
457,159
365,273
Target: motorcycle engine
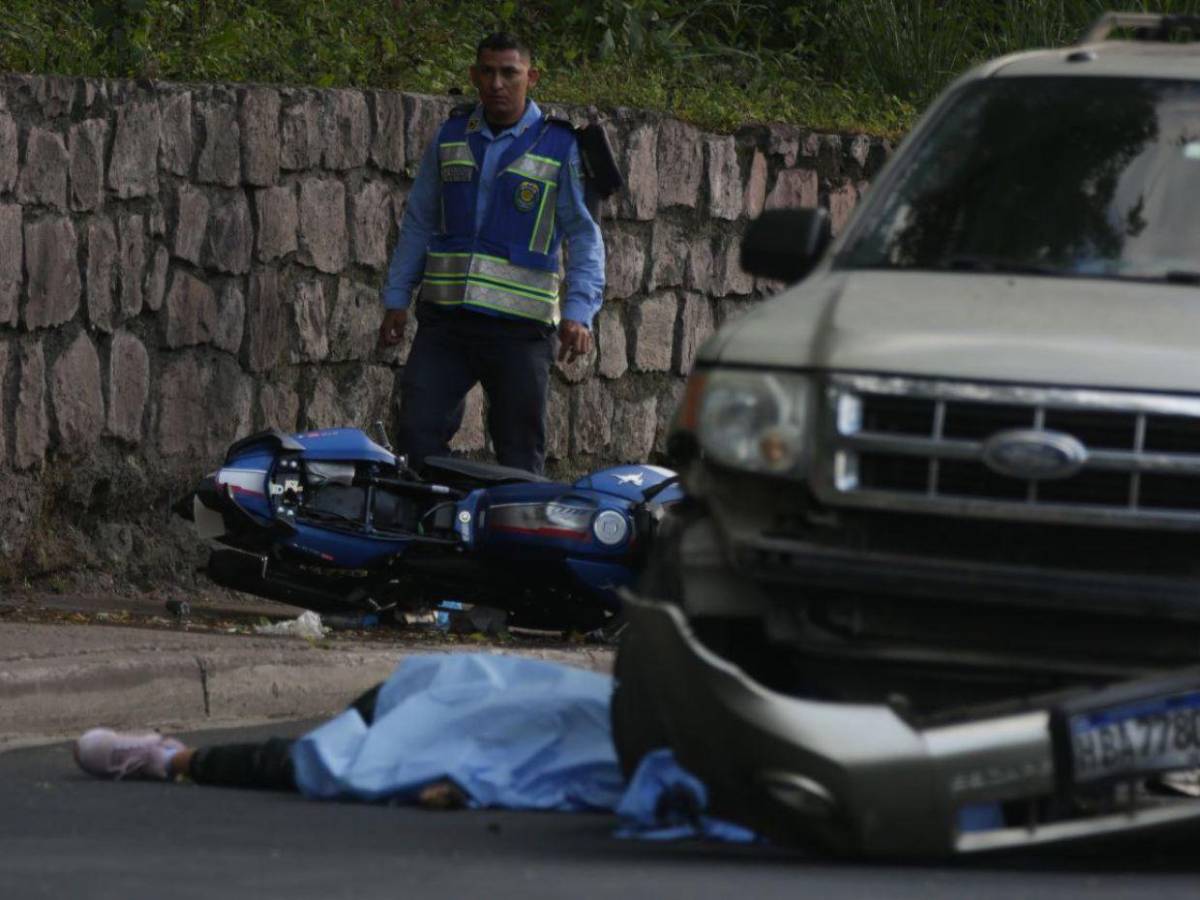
331,489
328,489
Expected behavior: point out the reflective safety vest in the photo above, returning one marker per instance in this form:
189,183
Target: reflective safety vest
511,266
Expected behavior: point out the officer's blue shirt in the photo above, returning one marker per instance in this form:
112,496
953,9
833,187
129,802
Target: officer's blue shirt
585,256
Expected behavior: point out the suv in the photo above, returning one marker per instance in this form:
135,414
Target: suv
937,585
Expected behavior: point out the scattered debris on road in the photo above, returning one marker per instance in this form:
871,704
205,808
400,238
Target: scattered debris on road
307,625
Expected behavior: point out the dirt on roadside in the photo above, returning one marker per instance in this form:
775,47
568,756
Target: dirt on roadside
98,599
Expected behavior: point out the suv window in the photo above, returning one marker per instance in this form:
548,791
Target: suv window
1061,176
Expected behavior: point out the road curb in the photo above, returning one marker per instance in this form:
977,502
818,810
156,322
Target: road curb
190,682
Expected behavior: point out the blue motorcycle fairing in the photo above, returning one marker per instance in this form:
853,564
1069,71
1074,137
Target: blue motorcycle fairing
346,551
630,482
249,472
511,518
349,445
246,477
344,444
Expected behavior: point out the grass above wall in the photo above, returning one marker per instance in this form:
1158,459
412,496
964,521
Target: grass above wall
829,64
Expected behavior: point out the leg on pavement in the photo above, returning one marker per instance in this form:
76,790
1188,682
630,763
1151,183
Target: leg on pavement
265,765
118,755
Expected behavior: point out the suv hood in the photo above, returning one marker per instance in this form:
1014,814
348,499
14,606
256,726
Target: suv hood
1016,328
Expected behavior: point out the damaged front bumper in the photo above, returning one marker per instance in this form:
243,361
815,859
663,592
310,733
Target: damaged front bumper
859,778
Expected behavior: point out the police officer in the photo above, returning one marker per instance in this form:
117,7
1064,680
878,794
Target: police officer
496,195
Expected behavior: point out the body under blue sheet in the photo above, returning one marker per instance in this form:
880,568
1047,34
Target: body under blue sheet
511,732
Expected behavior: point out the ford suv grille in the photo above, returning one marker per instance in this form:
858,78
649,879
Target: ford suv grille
1009,451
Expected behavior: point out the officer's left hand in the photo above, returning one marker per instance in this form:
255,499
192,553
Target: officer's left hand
574,341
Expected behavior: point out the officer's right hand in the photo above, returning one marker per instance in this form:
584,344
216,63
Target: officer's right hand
391,332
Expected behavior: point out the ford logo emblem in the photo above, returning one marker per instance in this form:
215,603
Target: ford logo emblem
1034,455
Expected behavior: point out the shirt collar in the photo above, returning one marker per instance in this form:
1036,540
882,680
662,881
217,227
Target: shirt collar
479,123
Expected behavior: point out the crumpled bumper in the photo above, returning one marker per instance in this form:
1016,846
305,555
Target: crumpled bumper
856,778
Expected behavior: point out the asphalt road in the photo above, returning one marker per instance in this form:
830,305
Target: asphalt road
65,835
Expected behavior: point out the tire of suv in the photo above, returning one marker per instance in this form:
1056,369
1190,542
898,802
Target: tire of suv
637,729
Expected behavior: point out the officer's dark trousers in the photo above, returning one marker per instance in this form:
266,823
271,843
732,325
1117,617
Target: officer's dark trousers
453,350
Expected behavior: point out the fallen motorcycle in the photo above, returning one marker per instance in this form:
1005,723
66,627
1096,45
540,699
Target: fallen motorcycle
335,522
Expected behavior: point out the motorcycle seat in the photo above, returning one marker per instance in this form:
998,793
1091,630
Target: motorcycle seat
482,472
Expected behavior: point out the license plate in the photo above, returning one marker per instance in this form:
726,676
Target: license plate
1136,738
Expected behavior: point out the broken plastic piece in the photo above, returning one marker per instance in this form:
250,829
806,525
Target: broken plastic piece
307,625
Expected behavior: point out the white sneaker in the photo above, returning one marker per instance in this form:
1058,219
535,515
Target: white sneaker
113,754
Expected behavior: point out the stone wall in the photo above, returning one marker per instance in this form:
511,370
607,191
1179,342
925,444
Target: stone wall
181,264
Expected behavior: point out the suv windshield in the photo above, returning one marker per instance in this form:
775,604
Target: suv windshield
1056,176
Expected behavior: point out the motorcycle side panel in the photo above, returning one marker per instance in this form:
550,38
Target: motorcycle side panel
246,478
512,520
344,551
343,444
628,482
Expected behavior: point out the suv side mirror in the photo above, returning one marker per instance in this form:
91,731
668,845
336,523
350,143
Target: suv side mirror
785,244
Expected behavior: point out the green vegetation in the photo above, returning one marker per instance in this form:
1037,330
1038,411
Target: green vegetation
842,64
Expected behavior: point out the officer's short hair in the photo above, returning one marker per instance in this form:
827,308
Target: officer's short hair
503,40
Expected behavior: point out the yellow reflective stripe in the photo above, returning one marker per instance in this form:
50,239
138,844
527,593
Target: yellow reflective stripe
513,289
436,292
447,263
491,282
538,168
455,153
548,182
514,304
453,280
543,228
502,270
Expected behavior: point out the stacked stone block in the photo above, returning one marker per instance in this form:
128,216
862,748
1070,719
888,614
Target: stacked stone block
182,264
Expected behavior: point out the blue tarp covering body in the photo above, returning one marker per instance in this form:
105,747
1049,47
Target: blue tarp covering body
665,802
512,733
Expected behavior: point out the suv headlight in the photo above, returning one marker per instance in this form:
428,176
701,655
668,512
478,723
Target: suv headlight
751,420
